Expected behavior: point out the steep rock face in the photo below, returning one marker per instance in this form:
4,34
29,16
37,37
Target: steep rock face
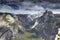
46,26
8,22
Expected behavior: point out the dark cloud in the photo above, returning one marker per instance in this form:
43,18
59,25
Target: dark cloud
30,5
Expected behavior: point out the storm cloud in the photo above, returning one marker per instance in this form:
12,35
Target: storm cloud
28,6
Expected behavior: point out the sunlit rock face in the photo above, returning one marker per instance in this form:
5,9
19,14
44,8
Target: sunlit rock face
8,18
46,27
8,22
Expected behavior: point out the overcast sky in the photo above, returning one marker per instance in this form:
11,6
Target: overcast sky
28,7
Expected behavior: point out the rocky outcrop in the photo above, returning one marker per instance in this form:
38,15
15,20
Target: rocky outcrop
46,26
9,26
